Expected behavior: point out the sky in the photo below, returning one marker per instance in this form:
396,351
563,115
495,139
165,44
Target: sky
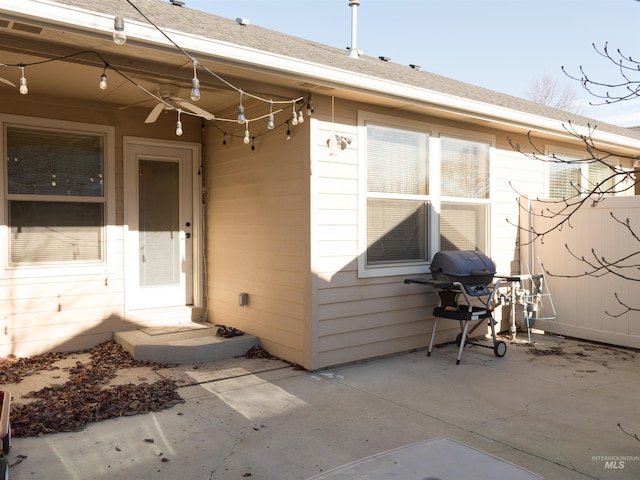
503,45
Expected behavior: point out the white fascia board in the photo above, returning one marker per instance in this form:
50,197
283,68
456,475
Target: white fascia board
82,20
44,11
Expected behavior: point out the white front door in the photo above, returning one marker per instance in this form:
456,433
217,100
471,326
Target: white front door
159,206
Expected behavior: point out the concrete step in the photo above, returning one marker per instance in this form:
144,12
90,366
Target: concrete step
183,344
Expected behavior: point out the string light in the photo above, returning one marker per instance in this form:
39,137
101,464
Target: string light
103,80
253,143
23,82
247,138
271,120
119,37
195,84
241,113
241,116
179,124
103,85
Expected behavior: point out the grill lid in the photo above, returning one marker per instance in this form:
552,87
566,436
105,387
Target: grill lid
464,266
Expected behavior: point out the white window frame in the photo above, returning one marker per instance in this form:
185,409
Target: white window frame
434,198
108,263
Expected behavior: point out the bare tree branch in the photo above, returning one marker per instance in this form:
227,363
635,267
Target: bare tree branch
547,91
626,88
559,212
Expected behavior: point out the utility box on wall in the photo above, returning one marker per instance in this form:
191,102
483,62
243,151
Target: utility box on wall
243,299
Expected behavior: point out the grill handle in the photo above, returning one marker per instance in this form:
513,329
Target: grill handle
480,272
436,283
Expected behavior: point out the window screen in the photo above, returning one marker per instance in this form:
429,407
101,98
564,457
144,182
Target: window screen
397,205
601,178
564,179
465,178
464,167
56,200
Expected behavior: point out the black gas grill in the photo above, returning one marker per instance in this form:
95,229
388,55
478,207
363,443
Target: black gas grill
463,281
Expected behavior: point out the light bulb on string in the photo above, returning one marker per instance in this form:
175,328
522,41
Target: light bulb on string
103,80
241,117
119,37
24,89
270,119
288,131
246,138
309,108
294,116
195,84
300,117
224,139
179,130
253,143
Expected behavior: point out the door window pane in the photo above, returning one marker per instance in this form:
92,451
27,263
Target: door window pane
159,229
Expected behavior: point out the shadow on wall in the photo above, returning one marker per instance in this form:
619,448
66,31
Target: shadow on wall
59,337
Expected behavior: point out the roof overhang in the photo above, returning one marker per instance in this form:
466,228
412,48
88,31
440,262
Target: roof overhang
339,82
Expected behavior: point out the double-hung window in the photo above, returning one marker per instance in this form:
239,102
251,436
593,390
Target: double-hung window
570,176
424,190
464,194
397,196
56,196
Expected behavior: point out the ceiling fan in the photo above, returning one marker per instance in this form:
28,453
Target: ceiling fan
8,82
168,92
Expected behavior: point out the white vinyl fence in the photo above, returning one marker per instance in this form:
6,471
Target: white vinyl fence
586,306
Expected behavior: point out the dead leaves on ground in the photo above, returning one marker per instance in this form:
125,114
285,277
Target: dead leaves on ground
85,397
14,369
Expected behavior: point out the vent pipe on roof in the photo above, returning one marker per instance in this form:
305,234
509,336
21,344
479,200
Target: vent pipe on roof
353,50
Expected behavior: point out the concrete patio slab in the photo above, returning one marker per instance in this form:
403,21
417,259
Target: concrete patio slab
570,414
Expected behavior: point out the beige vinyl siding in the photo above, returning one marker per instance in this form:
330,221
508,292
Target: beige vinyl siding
512,172
357,318
66,309
354,318
257,230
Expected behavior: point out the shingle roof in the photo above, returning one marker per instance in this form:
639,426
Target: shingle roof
186,20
